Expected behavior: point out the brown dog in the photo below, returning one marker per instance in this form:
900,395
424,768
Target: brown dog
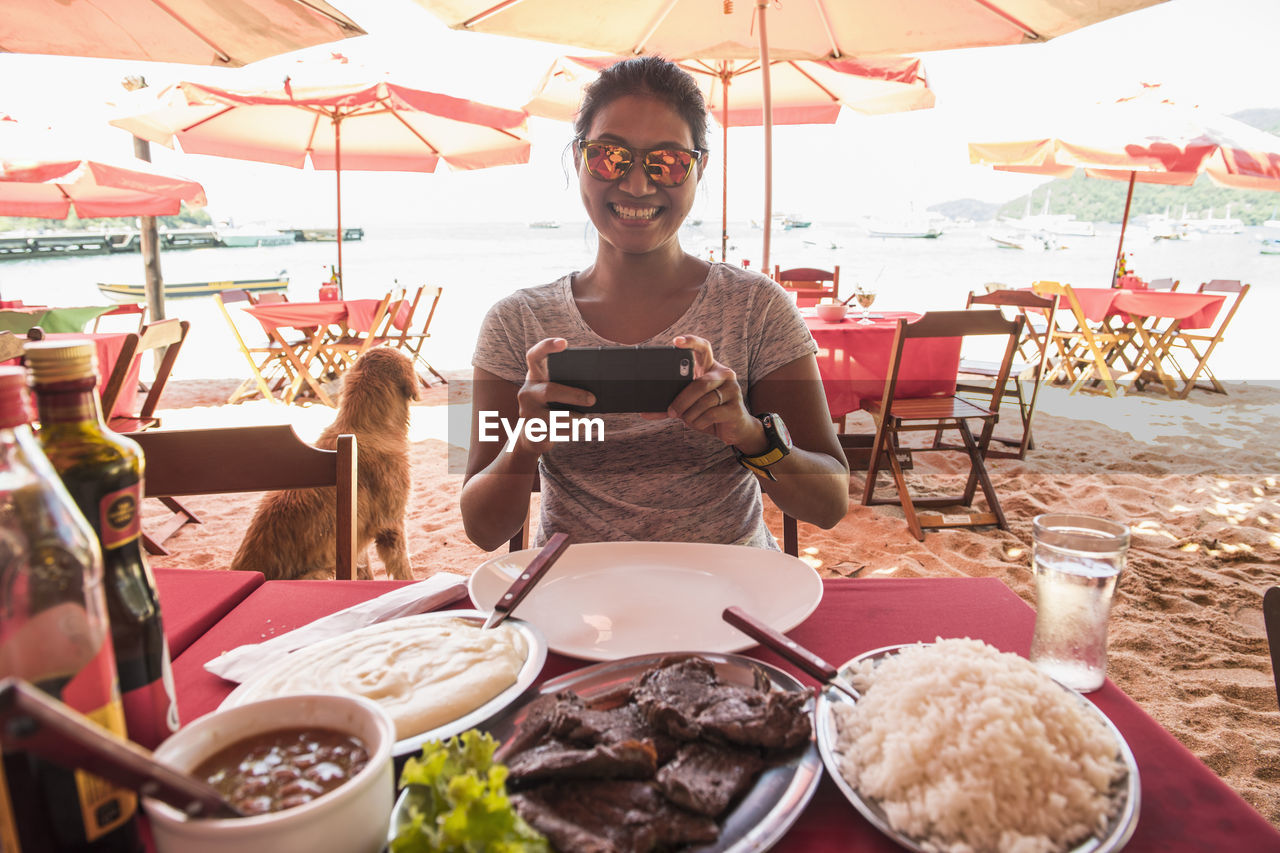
292,533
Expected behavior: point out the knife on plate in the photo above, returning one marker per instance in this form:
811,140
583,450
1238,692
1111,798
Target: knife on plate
532,573
789,649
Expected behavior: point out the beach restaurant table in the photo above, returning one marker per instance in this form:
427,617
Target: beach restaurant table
108,346
325,325
1140,311
853,360
193,600
1184,805
20,319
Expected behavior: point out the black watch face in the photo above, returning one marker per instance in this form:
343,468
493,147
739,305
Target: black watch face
781,429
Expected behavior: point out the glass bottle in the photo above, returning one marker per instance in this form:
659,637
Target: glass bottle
103,472
54,633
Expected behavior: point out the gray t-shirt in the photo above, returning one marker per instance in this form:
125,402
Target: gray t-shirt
653,480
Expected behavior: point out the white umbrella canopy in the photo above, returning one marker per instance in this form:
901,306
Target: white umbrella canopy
198,32
778,29
803,92
331,116
1145,138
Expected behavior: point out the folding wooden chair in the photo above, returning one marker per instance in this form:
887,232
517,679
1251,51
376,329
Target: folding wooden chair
269,368
137,309
341,353
896,415
410,339
1163,284
1199,344
1082,353
810,285
1039,315
166,334
250,459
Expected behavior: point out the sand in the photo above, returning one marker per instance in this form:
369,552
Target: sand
1197,479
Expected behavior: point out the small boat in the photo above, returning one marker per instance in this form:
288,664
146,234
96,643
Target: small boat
174,290
1031,240
1270,246
545,223
242,237
904,228
789,222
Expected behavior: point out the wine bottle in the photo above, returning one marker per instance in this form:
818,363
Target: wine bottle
103,472
54,632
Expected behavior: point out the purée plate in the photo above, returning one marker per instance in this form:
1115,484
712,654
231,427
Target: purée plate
1119,830
606,601
528,673
760,818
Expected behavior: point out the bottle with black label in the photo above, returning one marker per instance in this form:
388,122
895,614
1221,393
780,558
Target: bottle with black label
54,633
103,472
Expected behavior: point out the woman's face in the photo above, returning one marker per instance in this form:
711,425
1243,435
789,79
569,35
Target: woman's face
634,214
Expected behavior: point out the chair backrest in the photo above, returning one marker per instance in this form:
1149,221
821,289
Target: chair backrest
1271,620
272,296
954,324
1033,333
1222,285
253,459
168,335
1162,284
419,308
137,309
163,333
809,284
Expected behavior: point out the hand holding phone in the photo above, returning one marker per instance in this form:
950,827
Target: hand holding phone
623,379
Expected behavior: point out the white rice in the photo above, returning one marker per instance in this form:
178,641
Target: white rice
969,749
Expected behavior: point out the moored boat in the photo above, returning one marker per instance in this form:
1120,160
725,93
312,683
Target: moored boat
181,290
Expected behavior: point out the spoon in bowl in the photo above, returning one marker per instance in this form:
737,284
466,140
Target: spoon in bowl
789,649
32,721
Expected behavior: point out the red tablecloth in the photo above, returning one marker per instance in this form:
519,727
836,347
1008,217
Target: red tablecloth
1195,310
853,360
355,314
109,345
1184,805
192,601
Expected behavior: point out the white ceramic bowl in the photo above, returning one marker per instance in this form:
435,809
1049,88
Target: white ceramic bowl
830,313
352,818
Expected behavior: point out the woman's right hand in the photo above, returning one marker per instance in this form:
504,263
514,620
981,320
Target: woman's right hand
538,391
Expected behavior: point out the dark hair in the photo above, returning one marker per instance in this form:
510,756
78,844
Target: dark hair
652,76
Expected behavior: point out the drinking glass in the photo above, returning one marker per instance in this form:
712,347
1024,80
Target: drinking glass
866,298
1077,561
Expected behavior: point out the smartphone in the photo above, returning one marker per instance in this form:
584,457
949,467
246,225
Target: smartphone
623,379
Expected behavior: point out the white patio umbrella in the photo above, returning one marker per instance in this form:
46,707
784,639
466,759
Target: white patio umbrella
804,92
777,29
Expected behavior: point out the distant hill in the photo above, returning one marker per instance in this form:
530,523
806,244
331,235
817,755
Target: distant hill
1096,200
967,208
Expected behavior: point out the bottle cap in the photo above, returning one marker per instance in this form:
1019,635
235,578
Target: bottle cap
57,361
14,402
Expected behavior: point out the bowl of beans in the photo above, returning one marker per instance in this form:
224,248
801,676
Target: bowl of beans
308,772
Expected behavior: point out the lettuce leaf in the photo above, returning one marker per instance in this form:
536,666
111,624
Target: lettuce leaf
457,802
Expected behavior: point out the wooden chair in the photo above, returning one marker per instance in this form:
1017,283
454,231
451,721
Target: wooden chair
249,459
166,335
339,354
269,367
271,297
1082,353
810,285
1199,344
1163,284
138,309
896,415
410,339
1039,323
1271,620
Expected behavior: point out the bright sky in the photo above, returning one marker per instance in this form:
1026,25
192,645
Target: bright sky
1215,53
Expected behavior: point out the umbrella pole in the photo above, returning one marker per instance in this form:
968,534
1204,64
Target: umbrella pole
337,164
761,6
724,170
1124,223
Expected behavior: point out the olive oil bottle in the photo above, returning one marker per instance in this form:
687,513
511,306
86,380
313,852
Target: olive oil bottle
103,472
54,633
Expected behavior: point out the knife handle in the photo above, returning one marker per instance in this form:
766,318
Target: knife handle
780,643
533,572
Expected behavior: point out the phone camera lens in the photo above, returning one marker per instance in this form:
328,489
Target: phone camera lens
684,367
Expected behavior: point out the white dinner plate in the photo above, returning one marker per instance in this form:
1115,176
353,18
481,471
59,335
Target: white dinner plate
609,600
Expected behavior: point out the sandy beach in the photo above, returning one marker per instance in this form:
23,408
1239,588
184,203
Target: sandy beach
1196,479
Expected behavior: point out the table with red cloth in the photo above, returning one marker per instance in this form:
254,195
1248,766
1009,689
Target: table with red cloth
1185,806
1151,321
326,325
853,360
193,600
109,345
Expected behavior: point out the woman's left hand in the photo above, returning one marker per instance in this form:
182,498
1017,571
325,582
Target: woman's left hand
712,403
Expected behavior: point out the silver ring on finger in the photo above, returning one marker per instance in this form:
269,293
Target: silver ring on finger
719,399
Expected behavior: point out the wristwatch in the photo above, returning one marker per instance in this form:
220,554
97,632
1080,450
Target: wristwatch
775,432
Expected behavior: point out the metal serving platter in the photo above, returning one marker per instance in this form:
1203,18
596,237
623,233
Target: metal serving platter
762,816
537,656
1118,832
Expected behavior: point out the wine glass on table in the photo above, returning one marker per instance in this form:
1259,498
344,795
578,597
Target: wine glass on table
866,298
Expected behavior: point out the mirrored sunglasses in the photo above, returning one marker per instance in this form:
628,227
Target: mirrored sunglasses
609,161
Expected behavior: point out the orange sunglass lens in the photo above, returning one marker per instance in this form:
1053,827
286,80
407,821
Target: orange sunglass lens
609,162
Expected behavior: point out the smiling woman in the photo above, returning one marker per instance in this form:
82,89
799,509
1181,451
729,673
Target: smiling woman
695,471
